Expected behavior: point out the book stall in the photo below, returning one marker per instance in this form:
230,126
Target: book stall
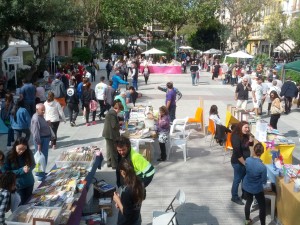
141,130
262,133
278,158
60,198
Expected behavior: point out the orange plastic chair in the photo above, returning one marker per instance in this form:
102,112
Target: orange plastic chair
228,146
211,130
198,119
211,127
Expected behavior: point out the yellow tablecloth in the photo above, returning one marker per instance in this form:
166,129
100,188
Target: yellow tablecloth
287,202
285,150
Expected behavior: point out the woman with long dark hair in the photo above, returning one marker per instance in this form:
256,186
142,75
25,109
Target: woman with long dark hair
240,140
88,94
214,115
21,162
276,109
6,109
20,119
132,194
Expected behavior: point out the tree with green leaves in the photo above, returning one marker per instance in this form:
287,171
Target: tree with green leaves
207,36
40,20
7,18
244,16
275,29
293,32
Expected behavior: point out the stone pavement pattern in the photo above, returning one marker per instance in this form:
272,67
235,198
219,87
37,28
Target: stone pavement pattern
204,178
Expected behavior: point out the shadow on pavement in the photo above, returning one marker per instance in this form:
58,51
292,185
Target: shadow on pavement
64,144
190,214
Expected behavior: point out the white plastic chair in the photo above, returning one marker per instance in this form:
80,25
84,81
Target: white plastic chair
166,218
179,136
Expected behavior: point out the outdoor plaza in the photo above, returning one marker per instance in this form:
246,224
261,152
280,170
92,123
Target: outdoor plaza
206,175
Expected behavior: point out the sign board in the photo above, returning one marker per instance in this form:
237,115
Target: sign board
13,60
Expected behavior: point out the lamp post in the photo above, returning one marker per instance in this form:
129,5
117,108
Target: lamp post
175,56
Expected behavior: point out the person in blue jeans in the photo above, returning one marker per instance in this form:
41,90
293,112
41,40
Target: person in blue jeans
134,75
41,133
240,140
256,177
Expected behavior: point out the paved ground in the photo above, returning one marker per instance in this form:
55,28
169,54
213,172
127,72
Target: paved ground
204,178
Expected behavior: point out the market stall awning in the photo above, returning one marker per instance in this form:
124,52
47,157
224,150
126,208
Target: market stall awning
293,66
286,46
213,51
153,51
240,55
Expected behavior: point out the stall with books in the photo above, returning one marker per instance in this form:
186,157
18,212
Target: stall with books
264,134
141,130
61,196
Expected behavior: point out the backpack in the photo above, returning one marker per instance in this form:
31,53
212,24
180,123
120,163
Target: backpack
93,105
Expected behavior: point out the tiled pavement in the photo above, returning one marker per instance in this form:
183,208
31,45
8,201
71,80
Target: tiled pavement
204,178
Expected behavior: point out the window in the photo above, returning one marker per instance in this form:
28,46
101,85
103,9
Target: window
59,47
66,48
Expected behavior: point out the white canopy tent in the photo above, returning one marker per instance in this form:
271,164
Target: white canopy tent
286,46
240,55
213,51
153,51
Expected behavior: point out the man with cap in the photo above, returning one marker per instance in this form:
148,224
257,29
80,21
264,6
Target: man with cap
58,88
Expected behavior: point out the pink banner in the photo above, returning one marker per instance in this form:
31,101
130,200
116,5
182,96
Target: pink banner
163,69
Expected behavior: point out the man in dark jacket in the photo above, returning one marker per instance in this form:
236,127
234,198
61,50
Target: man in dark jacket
111,132
72,101
28,92
289,91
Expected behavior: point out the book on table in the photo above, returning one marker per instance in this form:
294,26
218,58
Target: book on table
105,187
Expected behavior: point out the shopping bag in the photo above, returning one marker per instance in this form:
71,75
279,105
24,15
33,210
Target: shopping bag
40,162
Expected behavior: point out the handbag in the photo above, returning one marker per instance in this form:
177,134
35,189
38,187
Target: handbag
276,110
163,137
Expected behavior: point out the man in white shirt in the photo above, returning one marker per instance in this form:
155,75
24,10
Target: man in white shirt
46,75
99,91
257,96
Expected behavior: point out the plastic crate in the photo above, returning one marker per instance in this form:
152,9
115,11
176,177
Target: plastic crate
73,160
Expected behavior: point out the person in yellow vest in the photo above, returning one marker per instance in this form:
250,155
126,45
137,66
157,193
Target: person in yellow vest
143,169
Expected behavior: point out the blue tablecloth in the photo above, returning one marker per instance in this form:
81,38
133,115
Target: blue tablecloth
272,173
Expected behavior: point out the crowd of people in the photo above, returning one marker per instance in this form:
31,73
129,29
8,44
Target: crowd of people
38,113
